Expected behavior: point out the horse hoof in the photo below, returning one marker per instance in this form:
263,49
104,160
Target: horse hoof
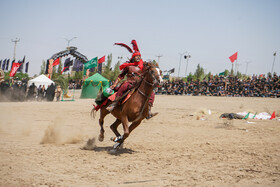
101,138
117,145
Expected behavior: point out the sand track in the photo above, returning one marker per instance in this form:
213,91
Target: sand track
40,145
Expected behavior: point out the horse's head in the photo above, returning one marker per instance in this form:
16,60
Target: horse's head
154,72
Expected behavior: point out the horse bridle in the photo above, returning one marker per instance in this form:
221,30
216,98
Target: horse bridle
155,81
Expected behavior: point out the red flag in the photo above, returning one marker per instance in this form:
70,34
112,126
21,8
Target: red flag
233,57
102,59
56,62
14,68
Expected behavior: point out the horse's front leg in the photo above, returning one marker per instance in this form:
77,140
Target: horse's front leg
134,125
120,139
114,127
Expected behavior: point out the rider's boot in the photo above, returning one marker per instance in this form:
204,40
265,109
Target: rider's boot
111,107
150,115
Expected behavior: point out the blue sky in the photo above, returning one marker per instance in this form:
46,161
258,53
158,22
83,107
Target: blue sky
210,31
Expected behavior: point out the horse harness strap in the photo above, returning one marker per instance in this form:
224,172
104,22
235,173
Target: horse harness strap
147,99
142,93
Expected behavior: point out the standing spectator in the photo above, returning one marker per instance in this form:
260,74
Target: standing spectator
58,92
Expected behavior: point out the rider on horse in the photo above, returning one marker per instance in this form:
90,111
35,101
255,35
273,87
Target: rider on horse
132,69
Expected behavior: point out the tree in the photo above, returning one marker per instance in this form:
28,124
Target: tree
226,73
78,75
208,76
107,69
269,74
199,72
54,73
43,67
19,76
116,71
239,75
190,77
63,82
59,69
231,72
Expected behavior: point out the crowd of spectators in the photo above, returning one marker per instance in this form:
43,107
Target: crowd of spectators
229,86
18,91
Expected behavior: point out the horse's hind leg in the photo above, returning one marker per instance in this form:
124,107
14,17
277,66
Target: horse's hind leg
102,131
103,113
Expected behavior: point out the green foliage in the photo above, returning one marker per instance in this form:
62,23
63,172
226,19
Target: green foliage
269,74
78,75
226,73
43,67
239,75
208,76
231,72
107,73
190,77
19,76
116,71
199,73
54,73
62,81
154,62
59,69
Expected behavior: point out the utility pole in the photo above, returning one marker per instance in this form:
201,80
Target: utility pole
16,41
237,67
68,41
181,54
187,57
273,63
248,62
159,58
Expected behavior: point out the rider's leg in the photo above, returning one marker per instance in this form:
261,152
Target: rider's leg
150,115
111,107
123,88
151,102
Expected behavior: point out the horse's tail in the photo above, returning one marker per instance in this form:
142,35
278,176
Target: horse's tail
93,113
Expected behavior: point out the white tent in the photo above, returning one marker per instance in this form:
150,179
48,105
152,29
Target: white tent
41,80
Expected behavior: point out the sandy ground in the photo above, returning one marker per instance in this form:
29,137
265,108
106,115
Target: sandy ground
40,145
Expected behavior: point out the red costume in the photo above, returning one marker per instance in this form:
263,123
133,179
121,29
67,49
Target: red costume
131,69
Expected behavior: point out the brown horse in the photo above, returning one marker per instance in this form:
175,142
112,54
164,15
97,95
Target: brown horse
135,109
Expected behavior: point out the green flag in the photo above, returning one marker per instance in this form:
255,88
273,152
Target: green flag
223,73
90,64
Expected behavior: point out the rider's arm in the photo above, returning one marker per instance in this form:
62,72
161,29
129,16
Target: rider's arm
120,77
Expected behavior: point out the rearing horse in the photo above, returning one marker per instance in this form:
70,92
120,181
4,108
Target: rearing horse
135,109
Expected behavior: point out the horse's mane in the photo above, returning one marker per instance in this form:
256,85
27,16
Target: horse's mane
148,65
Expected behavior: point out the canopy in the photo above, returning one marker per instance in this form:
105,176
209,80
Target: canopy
92,85
41,80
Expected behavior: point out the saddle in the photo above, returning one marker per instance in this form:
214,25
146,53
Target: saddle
125,96
101,100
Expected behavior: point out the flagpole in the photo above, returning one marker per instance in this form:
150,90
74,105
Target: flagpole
236,67
16,41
